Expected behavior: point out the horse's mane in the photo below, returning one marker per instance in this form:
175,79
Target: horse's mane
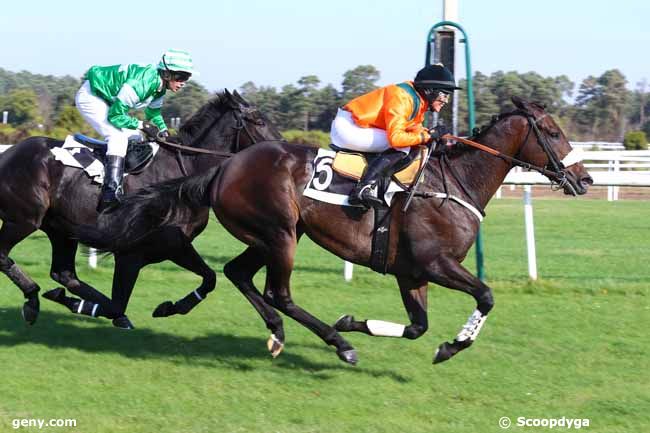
194,127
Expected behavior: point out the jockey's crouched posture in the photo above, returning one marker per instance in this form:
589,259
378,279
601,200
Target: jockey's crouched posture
389,121
107,95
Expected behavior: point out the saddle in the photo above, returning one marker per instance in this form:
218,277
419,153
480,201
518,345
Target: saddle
138,153
352,165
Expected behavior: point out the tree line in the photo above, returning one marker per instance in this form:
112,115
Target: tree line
602,108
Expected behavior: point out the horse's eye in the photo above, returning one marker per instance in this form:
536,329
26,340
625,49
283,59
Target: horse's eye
555,135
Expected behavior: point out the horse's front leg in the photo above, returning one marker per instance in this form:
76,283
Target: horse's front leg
414,296
92,303
186,256
449,273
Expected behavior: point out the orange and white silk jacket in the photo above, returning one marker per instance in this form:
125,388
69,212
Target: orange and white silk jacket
398,109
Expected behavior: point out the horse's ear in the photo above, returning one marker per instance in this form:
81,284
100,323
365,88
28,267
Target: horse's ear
232,102
519,102
241,99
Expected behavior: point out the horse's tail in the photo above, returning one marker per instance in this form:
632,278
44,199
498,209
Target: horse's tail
143,213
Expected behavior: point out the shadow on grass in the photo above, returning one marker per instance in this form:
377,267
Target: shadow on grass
66,331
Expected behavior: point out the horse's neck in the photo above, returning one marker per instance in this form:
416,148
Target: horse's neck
482,173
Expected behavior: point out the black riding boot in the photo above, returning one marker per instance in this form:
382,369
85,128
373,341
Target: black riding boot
365,192
112,188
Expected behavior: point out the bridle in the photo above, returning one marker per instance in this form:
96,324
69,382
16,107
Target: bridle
554,169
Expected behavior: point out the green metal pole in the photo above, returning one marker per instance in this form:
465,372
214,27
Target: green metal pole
470,110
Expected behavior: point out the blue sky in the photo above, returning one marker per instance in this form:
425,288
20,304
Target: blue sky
276,42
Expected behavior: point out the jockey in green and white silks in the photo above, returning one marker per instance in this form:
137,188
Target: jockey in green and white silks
110,92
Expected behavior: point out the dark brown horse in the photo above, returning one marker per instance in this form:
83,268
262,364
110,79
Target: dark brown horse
38,192
258,196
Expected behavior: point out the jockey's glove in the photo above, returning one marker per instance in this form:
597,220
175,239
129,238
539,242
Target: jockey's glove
438,132
150,130
163,135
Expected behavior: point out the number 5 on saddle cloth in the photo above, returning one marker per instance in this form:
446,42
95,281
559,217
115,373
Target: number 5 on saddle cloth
336,173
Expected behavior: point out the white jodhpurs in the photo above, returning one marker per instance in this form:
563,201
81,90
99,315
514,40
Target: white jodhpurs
95,111
348,135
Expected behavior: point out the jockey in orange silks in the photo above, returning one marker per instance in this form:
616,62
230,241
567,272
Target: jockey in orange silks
389,120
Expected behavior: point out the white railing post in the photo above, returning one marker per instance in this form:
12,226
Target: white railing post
617,169
92,258
610,189
347,270
530,232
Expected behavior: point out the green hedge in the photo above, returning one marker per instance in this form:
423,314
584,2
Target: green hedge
635,140
311,138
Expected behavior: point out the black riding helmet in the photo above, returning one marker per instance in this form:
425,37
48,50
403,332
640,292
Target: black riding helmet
433,79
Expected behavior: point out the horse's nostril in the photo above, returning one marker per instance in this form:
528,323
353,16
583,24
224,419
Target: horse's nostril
587,181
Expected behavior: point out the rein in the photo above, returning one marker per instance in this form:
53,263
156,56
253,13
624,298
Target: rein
192,149
181,148
507,158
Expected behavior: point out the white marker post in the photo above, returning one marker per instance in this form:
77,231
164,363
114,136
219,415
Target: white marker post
530,232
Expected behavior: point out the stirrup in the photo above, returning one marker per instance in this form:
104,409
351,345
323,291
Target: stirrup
108,203
365,197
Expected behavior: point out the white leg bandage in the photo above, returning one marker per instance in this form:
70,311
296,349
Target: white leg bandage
385,329
472,327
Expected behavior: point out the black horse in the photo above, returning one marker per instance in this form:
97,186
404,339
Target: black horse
38,192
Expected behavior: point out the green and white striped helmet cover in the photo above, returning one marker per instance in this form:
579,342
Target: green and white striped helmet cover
177,60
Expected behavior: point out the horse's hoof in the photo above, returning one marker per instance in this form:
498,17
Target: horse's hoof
30,310
55,294
447,350
123,323
344,323
443,353
164,310
349,356
274,345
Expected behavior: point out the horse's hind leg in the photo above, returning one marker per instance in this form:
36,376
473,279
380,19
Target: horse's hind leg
240,271
187,257
279,265
449,273
10,235
414,297
63,270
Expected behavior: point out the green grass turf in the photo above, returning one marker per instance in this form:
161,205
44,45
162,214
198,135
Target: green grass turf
572,344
